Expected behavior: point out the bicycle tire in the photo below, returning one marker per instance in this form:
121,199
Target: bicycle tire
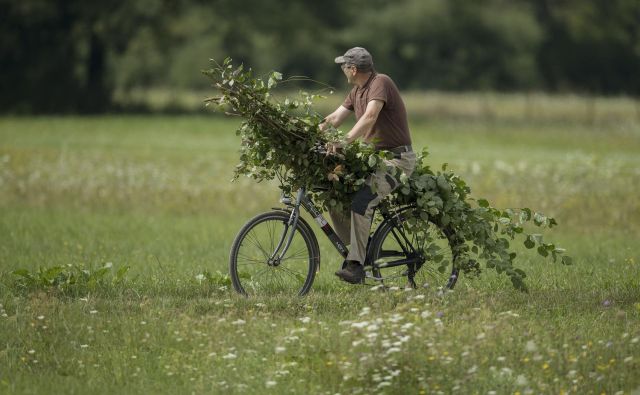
250,272
438,269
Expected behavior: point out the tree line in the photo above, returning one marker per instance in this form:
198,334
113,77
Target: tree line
73,55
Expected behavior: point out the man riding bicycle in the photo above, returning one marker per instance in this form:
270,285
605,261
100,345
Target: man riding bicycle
381,120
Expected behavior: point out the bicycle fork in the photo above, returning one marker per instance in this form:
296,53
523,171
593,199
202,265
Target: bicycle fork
288,232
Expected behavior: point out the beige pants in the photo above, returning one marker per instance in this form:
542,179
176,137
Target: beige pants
354,227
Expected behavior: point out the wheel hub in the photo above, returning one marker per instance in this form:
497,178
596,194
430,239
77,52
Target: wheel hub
274,262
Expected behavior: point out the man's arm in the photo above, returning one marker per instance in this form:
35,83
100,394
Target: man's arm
366,122
336,118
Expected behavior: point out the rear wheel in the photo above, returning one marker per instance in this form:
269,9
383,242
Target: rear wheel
403,257
255,267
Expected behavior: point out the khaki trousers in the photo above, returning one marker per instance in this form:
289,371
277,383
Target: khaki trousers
354,227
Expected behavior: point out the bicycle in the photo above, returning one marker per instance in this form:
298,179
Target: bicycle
277,252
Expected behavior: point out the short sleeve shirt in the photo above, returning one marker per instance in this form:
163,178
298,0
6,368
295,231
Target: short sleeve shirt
392,127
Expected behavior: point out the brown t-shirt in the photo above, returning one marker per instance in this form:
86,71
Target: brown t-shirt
391,128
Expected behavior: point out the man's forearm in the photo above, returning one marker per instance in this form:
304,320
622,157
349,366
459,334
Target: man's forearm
361,127
336,118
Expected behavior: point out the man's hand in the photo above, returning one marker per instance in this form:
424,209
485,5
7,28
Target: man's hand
335,119
335,147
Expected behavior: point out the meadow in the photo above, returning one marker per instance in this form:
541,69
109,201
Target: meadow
141,213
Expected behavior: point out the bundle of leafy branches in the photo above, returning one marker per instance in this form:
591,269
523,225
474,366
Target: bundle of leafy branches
281,140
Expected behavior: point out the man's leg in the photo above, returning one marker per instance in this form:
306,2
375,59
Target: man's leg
341,224
364,203
362,207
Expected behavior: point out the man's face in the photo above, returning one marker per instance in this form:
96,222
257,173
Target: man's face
349,71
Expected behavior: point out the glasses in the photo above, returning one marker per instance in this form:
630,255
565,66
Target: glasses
345,66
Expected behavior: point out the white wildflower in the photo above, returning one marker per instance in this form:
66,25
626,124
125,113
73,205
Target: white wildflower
305,320
521,380
360,325
364,311
280,349
393,350
270,383
531,346
396,318
239,322
406,326
230,356
480,336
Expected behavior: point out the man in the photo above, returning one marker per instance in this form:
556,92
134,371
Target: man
381,120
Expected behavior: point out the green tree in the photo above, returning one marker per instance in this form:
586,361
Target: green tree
591,46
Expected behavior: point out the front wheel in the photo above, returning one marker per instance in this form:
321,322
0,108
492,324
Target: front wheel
402,256
256,268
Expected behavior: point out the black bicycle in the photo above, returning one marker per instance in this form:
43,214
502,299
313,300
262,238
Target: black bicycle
277,252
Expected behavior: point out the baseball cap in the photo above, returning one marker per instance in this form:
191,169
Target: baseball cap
357,56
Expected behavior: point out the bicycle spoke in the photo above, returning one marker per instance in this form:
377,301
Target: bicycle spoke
257,243
295,274
254,261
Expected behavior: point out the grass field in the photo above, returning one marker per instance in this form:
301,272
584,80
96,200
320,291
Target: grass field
153,193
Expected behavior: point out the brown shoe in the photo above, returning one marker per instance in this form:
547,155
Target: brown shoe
353,273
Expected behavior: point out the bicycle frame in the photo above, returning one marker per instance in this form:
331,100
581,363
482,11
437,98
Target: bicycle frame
303,200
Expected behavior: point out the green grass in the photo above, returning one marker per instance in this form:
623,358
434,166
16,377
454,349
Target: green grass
153,193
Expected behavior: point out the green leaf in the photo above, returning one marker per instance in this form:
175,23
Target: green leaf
567,260
373,160
543,251
525,215
529,243
424,216
443,184
483,203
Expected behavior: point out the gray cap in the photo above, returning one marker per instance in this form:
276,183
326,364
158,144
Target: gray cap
357,56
